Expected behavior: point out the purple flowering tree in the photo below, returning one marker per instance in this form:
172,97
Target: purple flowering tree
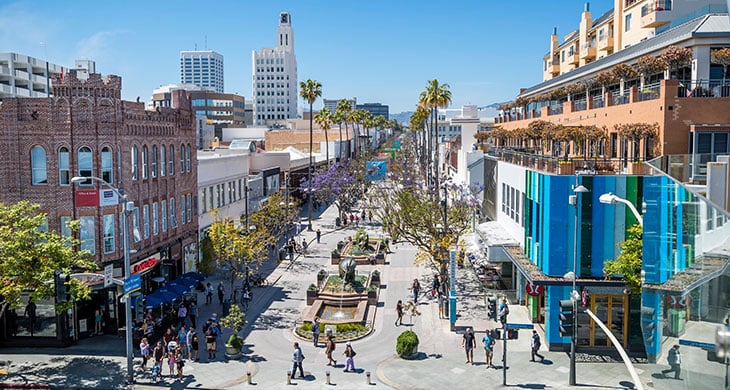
340,183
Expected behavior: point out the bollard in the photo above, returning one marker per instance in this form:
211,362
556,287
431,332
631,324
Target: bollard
248,377
288,377
328,377
367,377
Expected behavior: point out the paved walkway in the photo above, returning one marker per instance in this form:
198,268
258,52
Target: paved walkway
98,362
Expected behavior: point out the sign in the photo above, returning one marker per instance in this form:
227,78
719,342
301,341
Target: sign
533,290
108,275
132,284
520,326
108,197
87,198
146,264
697,344
375,170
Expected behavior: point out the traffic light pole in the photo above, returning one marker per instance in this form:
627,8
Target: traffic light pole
504,354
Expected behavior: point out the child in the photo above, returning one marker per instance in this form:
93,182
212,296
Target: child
179,361
171,362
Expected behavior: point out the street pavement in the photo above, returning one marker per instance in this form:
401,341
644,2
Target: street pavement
277,308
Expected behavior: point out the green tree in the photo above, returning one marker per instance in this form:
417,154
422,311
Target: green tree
310,90
324,121
343,109
435,96
30,255
628,262
722,57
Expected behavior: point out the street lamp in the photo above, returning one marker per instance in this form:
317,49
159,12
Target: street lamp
127,206
610,198
573,200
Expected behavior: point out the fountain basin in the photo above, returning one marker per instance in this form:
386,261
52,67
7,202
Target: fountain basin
334,313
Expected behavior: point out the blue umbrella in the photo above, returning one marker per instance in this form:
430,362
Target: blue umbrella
186,281
194,275
159,297
177,289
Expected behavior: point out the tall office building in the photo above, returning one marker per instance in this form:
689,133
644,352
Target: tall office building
275,78
203,68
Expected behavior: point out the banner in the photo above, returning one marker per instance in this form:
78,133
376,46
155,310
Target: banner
87,198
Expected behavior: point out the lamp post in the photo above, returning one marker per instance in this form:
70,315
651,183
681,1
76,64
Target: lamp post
574,296
127,206
609,198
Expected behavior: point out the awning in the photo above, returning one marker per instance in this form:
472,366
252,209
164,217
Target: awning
702,271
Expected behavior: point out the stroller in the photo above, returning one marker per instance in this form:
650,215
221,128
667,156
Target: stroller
156,372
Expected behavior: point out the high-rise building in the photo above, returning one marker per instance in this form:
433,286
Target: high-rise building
203,68
375,109
275,78
25,76
331,104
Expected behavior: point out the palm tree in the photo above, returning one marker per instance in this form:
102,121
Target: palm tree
417,124
434,97
338,117
366,119
354,117
310,90
379,122
324,121
344,107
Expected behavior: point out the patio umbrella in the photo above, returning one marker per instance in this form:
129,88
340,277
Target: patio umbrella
177,289
186,281
194,275
159,297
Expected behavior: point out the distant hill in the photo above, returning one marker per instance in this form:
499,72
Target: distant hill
402,117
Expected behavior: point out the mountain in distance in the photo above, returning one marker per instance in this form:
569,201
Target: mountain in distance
402,117
488,111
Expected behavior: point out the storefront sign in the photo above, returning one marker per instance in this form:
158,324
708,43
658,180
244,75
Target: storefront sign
108,275
146,264
533,290
87,198
108,198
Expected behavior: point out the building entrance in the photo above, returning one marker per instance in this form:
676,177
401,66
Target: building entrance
613,310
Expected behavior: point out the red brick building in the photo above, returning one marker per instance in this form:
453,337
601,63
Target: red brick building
85,129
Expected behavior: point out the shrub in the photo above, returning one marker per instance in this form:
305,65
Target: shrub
407,344
312,287
322,274
306,327
235,341
351,327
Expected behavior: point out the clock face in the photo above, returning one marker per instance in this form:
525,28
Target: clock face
284,18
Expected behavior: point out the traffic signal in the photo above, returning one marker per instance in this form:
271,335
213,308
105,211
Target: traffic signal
567,315
492,308
62,286
647,324
512,334
722,342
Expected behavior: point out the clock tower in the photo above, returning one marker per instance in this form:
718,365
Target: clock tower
285,32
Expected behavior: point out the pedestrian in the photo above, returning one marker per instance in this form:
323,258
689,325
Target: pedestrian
415,288
503,311
168,336
468,342
362,216
304,245
182,314
195,345
370,216
352,219
30,312
171,359
98,319
210,338
315,331
221,292
535,344
182,336
329,348
193,313
296,359
674,358
441,302
319,235
189,341
158,354
180,362
208,294
436,285
488,342
144,349
399,312
357,220
350,354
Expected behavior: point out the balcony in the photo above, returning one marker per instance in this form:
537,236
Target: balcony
587,51
560,166
656,13
605,42
573,59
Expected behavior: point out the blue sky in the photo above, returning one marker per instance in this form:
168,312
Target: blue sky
376,50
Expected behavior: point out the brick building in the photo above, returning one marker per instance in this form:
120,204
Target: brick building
85,129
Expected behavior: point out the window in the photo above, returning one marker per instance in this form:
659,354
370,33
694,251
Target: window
39,175
155,218
203,200
210,197
65,230
86,234
135,225
109,233
135,159
163,216
627,22
171,165
190,207
145,162
183,209
146,220
154,161
106,164
163,161
188,163
64,170
173,219
86,165
182,158
562,56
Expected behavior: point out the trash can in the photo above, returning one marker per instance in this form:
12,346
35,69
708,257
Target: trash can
226,307
282,254
338,222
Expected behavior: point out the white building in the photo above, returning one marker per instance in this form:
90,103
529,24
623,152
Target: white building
203,68
25,76
331,104
275,78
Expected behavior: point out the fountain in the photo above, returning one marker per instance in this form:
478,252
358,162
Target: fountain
363,248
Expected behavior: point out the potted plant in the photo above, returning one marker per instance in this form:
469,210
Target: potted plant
407,345
321,276
372,295
375,278
236,321
335,256
311,293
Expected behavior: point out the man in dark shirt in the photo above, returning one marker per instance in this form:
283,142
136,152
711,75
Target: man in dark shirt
468,342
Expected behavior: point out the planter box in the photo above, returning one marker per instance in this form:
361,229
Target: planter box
411,356
311,296
566,169
232,353
372,297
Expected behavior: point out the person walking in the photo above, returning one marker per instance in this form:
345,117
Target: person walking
30,312
370,216
193,313
329,348
208,294
297,358
535,344
179,362
469,342
144,349
189,341
350,361
319,235
195,345
415,288
182,314
171,360
674,358
488,342
182,336
315,331
158,355
503,311
441,302
210,339
221,292
399,312
98,319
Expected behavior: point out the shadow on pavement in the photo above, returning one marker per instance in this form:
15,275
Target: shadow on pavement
74,374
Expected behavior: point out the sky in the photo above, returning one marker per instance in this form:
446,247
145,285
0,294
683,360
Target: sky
380,51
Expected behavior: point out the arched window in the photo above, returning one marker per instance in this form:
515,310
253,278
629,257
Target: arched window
187,159
39,176
64,170
107,162
154,161
86,164
171,165
145,162
163,161
182,158
135,161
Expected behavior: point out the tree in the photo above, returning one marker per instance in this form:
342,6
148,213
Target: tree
629,261
30,255
637,132
417,124
341,182
355,117
324,121
435,96
343,109
537,131
650,65
676,57
722,57
310,90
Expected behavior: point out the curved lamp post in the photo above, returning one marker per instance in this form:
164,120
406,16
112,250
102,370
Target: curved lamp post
610,198
574,296
127,206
